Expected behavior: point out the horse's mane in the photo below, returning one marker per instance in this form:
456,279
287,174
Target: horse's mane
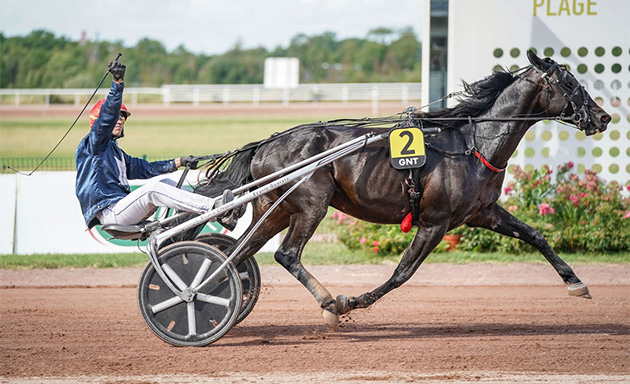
478,97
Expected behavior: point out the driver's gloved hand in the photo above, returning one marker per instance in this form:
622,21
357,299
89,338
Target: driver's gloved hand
117,69
189,161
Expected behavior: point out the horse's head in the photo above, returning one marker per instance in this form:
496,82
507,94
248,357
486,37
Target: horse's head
567,98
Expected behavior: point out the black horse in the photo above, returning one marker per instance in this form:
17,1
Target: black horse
461,179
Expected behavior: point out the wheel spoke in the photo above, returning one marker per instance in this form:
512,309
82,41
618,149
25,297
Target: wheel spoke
243,276
201,273
192,319
166,304
174,277
213,300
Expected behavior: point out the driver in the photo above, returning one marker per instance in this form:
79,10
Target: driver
103,169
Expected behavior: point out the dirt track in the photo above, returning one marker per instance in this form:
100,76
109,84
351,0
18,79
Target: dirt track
451,323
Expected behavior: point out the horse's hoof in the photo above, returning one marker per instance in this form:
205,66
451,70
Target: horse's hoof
331,319
342,304
580,290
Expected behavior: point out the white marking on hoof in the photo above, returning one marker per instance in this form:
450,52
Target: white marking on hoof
580,290
341,303
331,319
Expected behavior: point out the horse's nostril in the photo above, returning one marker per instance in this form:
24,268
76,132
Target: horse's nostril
605,119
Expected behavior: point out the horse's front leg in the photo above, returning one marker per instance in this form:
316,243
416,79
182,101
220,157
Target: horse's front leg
423,243
497,219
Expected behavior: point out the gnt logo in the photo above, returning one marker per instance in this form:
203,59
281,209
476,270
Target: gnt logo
105,238
406,148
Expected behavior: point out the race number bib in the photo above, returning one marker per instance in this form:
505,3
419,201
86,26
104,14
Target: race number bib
406,147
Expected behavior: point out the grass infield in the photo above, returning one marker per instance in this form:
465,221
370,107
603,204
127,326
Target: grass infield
165,137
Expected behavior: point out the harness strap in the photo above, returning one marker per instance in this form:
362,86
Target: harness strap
415,190
475,151
485,162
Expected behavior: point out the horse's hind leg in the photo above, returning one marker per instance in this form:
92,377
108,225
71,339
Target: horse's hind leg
308,206
274,224
498,220
289,255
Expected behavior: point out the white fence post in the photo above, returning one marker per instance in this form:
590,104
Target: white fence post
256,96
166,96
195,96
374,96
285,96
404,98
226,95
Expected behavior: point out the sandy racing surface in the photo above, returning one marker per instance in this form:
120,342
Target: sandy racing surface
452,323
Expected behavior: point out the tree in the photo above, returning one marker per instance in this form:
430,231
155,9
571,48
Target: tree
42,60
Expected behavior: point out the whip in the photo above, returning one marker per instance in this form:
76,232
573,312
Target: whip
69,129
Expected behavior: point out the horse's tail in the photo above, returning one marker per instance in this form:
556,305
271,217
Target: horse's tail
236,174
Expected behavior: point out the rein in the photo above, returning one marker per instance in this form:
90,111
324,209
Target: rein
579,118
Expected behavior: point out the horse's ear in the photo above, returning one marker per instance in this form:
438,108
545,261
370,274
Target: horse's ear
534,59
542,64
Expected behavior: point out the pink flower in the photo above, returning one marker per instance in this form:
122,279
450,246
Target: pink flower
627,215
375,243
363,240
508,190
512,208
583,222
570,164
375,249
545,209
628,187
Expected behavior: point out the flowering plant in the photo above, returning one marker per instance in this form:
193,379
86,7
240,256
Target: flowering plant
575,214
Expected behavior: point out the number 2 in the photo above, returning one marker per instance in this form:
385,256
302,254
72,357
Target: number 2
406,150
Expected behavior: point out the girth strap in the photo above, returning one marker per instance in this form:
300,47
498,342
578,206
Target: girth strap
415,190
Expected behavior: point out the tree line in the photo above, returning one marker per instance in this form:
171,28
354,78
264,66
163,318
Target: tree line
43,60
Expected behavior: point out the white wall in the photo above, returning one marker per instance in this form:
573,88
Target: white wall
599,28
41,214
477,29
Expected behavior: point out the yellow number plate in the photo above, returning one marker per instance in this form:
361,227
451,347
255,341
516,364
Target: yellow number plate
406,147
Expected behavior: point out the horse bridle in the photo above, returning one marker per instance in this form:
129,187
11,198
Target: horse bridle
580,116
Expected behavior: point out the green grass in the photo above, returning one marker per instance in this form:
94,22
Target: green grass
315,253
165,137
53,261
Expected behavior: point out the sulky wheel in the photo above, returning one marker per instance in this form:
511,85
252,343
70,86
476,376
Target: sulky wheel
248,271
206,316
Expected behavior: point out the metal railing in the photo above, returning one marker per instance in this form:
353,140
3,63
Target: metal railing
225,94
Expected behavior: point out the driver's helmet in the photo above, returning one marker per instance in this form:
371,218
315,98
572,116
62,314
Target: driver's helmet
96,110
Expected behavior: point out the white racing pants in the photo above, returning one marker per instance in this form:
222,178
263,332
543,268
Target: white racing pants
144,201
